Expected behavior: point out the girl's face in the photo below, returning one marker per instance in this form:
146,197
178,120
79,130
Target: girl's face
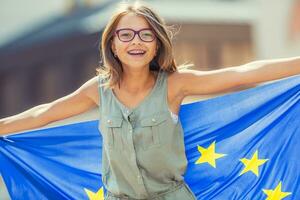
135,50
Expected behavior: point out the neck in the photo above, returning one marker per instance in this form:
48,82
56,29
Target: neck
135,81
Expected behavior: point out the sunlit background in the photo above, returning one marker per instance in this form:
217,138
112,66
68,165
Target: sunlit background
49,48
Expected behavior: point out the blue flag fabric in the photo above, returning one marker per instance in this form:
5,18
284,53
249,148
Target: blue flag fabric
240,146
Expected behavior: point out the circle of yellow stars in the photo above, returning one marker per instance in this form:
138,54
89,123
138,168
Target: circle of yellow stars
209,155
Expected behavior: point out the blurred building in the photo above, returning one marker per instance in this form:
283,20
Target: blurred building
52,59
56,57
276,29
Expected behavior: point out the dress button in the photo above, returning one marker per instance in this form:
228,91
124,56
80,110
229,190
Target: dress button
109,121
153,120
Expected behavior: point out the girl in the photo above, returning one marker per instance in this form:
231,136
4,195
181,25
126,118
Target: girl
139,91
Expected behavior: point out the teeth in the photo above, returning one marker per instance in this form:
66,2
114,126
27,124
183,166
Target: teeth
136,51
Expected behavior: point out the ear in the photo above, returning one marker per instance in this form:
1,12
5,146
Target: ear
157,48
158,44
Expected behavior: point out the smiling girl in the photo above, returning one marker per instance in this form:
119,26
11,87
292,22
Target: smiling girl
139,90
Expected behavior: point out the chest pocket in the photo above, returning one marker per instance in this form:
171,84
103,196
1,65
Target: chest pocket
153,128
112,133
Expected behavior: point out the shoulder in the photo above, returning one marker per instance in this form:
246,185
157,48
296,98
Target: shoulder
92,83
174,85
178,78
90,89
178,81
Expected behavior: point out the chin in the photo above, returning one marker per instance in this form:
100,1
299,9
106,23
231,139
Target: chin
137,65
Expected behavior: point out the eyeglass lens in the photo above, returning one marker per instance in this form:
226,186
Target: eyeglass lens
127,35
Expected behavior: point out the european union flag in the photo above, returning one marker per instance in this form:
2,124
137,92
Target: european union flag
240,146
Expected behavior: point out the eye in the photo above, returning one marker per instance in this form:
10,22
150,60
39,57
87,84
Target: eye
125,34
147,34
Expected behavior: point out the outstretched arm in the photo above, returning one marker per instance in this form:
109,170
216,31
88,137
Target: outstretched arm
193,82
83,99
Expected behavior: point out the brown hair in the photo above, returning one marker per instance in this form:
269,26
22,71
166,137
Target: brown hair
111,68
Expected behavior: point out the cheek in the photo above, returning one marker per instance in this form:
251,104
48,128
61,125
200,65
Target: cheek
120,47
153,50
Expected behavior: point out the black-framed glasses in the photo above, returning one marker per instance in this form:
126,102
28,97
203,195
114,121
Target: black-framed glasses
127,34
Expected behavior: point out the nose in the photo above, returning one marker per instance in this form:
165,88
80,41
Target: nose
136,39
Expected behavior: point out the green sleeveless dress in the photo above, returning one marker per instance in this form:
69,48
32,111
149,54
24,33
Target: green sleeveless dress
143,152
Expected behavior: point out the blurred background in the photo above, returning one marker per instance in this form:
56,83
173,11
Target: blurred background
50,48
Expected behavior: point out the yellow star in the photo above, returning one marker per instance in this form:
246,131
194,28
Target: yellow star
276,194
95,196
252,164
208,155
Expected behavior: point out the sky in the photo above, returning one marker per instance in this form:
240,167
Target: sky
17,17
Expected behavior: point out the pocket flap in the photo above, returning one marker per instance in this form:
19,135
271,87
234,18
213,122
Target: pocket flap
113,121
154,120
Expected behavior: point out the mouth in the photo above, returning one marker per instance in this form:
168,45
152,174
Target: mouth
136,52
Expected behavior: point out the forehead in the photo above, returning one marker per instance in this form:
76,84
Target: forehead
133,21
